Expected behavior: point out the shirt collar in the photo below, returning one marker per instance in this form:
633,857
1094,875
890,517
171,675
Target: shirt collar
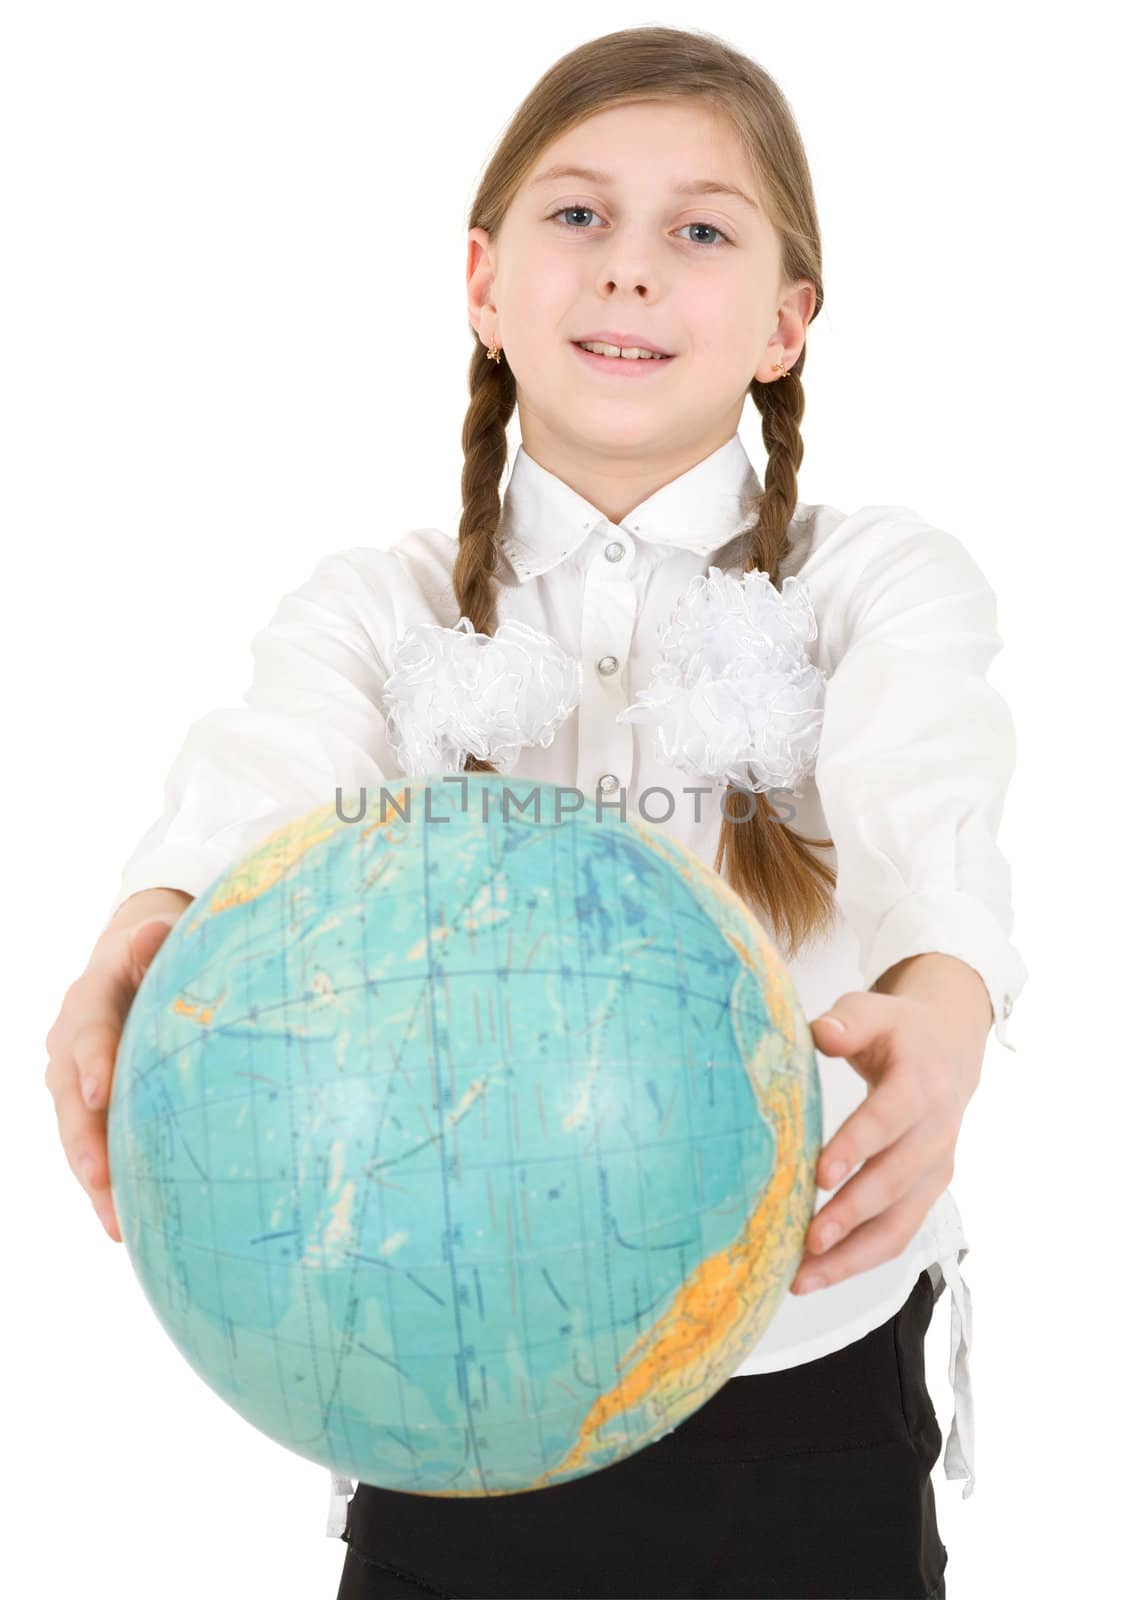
543,520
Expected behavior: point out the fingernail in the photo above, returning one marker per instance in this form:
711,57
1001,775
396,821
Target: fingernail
834,1172
830,1233
86,1168
802,1285
89,1090
833,1022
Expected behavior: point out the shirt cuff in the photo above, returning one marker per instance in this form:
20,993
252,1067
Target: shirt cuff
953,924
191,869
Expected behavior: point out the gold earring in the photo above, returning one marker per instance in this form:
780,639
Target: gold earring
494,352
779,366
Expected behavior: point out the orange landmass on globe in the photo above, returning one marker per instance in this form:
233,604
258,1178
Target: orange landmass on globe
268,862
725,1299
728,1298
201,1014
264,866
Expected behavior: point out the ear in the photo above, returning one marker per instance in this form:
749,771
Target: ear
480,274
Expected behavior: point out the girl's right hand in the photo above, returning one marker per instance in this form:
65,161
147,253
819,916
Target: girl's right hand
82,1046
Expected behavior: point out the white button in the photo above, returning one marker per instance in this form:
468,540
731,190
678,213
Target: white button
607,664
608,783
614,551
1006,1005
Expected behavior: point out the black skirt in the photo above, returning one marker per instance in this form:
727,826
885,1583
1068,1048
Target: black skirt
813,1481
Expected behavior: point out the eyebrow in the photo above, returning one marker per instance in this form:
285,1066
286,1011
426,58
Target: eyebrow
691,186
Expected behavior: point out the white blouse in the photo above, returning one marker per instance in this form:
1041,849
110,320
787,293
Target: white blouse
915,755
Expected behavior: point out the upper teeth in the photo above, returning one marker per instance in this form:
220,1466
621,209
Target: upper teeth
630,353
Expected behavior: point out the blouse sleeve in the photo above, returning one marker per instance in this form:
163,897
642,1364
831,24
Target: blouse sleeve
311,722
916,753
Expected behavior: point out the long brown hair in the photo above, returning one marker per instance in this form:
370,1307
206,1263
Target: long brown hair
766,862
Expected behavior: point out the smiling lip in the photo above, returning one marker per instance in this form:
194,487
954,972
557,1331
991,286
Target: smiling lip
623,341
621,369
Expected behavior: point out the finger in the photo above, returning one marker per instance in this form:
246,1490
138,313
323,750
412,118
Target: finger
83,1136
124,955
107,1216
145,940
94,1055
880,1239
855,1023
99,995
879,1183
890,1109
101,999
54,1040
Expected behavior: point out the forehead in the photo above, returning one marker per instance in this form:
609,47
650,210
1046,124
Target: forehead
679,148
564,171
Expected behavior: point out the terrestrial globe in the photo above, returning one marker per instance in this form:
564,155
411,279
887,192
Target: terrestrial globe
462,1142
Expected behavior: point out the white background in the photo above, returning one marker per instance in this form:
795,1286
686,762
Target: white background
234,338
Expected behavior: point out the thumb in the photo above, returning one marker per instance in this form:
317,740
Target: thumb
147,937
851,1023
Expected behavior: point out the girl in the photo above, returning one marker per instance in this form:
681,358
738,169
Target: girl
805,687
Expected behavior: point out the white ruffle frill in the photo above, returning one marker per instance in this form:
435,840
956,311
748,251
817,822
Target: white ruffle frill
453,692
734,696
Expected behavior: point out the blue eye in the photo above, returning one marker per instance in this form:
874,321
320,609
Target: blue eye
705,244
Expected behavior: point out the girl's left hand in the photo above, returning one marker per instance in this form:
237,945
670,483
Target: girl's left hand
920,1079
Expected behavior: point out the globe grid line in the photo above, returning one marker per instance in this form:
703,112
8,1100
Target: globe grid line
238,1029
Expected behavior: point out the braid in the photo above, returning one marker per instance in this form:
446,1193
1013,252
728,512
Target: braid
491,403
782,408
768,862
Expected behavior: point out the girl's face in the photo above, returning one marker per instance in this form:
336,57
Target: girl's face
622,247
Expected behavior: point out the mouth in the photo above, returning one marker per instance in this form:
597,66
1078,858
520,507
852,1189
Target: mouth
624,366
